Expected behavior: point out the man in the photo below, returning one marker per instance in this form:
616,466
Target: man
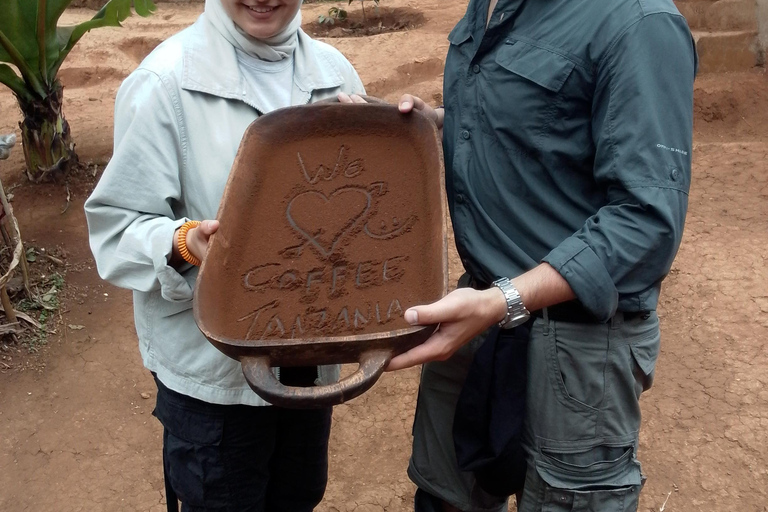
567,138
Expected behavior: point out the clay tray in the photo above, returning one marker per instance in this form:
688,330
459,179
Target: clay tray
332,225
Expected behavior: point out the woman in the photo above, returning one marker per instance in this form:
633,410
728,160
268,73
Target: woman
179,119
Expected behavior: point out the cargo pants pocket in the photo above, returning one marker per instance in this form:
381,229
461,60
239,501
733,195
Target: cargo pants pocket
612,500
600,479
566,380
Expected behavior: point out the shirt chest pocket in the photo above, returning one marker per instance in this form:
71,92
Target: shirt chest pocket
527,86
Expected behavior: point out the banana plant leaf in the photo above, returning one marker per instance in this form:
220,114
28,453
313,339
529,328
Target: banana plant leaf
32,41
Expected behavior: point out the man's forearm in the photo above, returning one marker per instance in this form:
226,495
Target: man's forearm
543,286
539,288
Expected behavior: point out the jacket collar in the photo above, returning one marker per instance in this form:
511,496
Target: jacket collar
209,65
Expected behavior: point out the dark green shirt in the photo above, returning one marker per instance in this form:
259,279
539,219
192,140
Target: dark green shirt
567,140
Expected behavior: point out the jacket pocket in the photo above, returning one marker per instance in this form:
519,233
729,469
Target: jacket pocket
543,67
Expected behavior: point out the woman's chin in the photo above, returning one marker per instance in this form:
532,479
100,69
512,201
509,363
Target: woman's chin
260,32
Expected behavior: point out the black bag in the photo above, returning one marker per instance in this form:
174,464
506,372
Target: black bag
488,423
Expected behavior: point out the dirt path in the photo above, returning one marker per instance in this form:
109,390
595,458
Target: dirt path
76,434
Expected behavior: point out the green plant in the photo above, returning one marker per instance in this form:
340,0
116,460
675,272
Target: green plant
32,41
334,14
41,308
362,4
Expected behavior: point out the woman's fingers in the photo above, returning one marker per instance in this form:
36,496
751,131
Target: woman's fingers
197,238
350,98
208,228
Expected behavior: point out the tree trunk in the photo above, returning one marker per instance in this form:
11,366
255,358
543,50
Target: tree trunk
48,146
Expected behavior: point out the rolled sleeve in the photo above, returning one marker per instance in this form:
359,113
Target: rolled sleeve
587,276
642,129
131,213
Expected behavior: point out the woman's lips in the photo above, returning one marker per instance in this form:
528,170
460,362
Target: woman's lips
261,12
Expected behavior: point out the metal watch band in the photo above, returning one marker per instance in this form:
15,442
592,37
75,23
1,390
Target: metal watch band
516,312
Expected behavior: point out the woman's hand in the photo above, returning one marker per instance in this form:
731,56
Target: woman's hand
350,98
462,315
197,240
407,104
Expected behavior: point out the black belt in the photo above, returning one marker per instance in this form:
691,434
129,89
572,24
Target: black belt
572,311
575,313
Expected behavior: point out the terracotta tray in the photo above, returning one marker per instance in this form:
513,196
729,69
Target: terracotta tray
332,225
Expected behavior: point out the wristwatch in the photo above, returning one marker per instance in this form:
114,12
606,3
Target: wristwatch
516,312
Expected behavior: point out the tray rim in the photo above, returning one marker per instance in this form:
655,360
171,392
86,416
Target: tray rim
263,122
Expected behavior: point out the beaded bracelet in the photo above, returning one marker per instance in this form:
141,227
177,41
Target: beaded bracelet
183,250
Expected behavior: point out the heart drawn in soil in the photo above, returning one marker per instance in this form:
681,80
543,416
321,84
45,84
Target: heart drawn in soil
325,220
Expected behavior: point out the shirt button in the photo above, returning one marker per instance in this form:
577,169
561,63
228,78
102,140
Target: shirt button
675,174
460,199
476,68
465,135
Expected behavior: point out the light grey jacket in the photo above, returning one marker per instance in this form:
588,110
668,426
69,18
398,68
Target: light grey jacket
179,119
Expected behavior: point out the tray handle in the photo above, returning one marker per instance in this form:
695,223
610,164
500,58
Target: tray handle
258,373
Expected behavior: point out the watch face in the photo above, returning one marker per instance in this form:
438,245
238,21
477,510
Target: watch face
515,321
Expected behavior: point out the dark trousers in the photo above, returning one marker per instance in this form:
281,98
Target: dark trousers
237,458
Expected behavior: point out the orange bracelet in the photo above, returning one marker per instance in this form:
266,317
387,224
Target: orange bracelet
183,250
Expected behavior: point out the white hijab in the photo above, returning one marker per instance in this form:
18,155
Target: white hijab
277,47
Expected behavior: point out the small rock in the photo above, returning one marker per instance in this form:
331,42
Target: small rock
146,396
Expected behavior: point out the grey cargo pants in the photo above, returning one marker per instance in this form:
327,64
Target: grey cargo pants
582,424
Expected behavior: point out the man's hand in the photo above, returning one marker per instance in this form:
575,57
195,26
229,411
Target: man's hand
462,315
407,104
465,313
197,240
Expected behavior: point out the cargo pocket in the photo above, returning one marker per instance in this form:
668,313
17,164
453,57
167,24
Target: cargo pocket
601,479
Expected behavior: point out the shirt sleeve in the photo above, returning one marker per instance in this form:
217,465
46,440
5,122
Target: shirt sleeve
642,122
352,82
130,213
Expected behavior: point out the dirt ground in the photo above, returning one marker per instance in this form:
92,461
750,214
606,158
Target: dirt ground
76,432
